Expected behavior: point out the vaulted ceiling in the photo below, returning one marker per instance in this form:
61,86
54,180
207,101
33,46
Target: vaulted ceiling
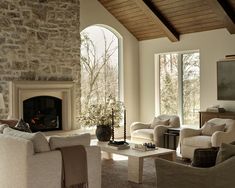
149,19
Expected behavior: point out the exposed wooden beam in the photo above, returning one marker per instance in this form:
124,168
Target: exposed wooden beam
151,11
225,13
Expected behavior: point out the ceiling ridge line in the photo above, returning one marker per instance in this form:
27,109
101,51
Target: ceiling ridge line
155,15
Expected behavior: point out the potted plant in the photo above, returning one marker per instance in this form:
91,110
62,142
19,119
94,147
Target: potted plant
103,116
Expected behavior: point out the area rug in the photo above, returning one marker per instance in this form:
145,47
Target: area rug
114,174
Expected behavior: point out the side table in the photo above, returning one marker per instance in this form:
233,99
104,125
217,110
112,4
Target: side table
172,133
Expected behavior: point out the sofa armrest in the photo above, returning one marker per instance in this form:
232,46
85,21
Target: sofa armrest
94,166
47,166
138,125
14,152
218,137
171,174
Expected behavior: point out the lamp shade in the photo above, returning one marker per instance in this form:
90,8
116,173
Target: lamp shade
2,104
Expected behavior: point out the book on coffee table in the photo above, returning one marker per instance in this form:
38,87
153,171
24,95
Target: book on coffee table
118,146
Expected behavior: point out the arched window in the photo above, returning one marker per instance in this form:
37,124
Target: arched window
99,66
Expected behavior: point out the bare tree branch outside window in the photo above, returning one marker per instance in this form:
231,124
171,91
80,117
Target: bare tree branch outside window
189,78
99,66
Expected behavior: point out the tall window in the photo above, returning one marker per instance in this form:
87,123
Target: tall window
99,66
179,89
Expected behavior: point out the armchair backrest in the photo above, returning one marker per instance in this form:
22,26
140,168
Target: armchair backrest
229,123
174,120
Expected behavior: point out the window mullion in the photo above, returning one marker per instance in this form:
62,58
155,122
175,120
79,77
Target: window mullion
180,88
157,86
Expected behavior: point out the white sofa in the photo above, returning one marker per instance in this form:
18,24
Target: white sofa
21,167
190,139
148,132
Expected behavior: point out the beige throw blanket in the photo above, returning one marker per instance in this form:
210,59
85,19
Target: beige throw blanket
74,167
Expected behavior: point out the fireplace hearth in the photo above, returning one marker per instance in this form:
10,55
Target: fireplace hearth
43,113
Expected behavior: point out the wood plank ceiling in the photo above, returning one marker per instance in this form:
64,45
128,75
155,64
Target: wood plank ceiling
149,19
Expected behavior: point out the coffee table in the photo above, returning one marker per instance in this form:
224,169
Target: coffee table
136,158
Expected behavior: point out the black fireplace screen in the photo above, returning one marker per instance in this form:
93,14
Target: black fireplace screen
43,113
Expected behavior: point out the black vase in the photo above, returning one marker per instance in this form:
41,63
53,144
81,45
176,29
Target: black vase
103,132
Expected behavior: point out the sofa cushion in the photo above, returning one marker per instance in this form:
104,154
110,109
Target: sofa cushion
64,141
225,152
22,126
157,121
209,128
3,126
39,140
198,141
143,133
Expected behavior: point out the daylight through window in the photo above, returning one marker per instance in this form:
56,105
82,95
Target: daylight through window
99,66
179,91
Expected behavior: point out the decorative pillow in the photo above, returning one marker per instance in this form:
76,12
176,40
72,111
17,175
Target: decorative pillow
3,126
73,140
39,140
205,157
157,121
225,152
10,122
22,126
233,143
209,128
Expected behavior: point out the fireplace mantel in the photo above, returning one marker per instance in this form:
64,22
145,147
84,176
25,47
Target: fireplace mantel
22,90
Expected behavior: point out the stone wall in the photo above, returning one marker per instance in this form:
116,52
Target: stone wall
39,40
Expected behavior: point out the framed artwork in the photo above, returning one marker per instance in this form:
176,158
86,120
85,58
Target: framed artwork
226,80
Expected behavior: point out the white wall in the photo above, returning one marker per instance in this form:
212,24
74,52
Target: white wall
213,46
92,12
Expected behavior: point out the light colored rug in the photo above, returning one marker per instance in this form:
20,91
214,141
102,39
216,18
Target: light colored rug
114,174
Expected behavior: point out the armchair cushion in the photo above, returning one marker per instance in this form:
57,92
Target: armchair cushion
39,140
157,121
174,120
197,141
64,141
209,128
225,152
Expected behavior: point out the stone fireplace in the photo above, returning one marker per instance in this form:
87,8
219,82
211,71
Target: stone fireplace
45,105
39,40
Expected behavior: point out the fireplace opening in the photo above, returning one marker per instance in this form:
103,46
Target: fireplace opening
43,113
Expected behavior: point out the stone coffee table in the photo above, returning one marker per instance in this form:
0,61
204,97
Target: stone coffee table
136,158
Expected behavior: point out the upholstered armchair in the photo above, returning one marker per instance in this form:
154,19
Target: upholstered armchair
153,132
212,134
